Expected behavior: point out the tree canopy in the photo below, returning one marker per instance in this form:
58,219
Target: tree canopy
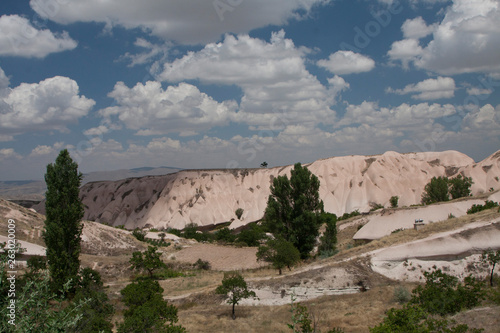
148,260
147,310
293,209
235,288
64,211
279,252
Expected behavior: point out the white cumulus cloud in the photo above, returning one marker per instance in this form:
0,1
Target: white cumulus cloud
151,110
467,40
51,104
347,62
430,89
272,75
417,28
187,22
19,38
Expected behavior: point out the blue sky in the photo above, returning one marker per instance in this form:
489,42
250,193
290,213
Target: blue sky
233,83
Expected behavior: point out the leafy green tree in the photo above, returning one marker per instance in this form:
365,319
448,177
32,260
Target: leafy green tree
293,209
147,310
492,258
328,242
279,252
97,311
394,201
149,260
64,211
235,288
443,294
436,191
264,164
301,321
460,186
251,236
38,308
225,235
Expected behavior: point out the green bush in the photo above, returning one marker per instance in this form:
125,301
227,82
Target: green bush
202,265
239,213
488,204
402,295
443,294
225,235
251,236
414,319
139,234
394,201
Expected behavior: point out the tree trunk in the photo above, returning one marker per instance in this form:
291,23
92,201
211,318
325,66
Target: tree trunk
492,272
234,316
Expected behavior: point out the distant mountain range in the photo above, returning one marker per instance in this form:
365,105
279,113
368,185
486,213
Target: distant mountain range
34,190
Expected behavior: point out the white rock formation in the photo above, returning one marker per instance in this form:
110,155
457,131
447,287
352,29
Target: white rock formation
208,197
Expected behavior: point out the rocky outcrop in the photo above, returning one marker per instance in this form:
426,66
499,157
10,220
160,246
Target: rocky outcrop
208,197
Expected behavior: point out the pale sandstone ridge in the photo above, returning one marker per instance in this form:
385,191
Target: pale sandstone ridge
208,197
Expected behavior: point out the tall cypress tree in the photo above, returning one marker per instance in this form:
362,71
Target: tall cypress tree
64,211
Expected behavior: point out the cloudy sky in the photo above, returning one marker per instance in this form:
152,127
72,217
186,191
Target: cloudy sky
233,83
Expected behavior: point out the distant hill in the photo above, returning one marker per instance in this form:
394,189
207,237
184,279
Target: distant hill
34,190
127,173
210,197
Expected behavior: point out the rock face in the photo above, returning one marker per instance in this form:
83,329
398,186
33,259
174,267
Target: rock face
208,197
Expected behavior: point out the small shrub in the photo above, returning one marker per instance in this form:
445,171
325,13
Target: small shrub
239,213
202,265
451,216
488,204
394,201
168,273
376,206
402,295
327,253
397,230
139,234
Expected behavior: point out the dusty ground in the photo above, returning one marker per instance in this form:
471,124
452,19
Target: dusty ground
221,258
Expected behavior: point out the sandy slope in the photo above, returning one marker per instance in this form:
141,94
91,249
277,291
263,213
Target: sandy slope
382,223
208,197
457,252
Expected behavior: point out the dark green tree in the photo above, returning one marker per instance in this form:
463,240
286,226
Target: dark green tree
147,310
252,235
225,235
293,209
436,191
460,186
64,211
235,288
149,260
442,293
328,242
279,252
394,201
97,311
